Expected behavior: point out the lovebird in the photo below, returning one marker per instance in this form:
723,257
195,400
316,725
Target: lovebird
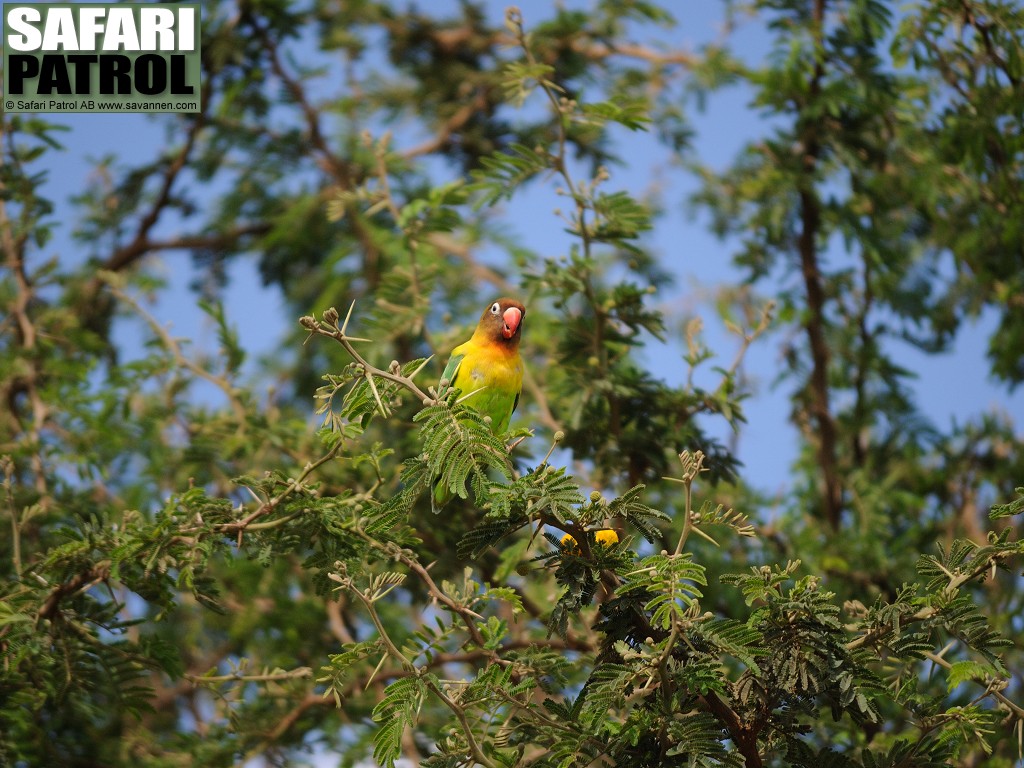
489,371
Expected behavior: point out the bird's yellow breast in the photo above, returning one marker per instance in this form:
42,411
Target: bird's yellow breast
488,365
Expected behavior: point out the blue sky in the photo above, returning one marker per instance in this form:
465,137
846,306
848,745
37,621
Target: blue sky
949,386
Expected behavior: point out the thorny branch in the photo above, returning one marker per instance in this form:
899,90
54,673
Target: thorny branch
329,328
878,636
406,663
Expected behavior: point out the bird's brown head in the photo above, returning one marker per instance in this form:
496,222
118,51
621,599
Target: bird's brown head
502,322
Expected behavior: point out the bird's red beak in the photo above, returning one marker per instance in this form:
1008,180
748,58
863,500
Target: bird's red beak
512,317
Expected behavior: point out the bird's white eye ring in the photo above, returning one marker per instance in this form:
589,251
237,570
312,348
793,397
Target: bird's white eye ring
495,308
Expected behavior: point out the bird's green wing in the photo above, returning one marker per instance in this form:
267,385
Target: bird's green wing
452,368
440,495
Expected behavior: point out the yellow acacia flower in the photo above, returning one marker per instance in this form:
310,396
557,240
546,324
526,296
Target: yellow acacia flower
605,537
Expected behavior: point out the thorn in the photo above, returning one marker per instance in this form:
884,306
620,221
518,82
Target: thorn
375,671
478,389
423,365
376,396
348,316
701,533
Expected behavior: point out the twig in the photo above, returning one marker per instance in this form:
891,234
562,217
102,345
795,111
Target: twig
338,167
469,618
748,338
407,664
815,325
693,465
14,248
77,583
1013,707
171,345
269,506
293,674
140,244
8,468
330,329
467,729
392,649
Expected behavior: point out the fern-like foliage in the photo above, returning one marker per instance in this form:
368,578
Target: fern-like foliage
337,673
956,611
728,637
460,448
503,172
547,490
700,740
961,617
619,219
363,397
644,518
718,514
1010,508
673,583
926,753
486,534
807,659
606,691
579,581
892,626
396,712
799,754
580,570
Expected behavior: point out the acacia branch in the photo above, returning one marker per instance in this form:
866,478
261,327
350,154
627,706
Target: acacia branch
330,161
990,690
467,729
807,246
346,176
213,241
404,660
469,618
14,250
286,722
743,735
984,30
7,465
393,650
452,125
77,583
271,504
268,677
139,245
171,345
330,329
450,40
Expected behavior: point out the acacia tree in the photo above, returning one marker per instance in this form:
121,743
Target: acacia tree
207,581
